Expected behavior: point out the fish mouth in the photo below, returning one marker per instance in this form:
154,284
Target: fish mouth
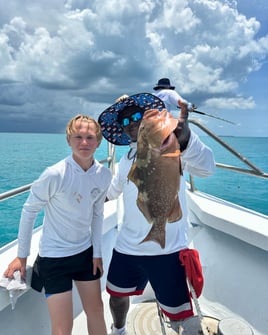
167,141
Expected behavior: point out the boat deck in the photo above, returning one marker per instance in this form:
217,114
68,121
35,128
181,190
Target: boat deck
233,256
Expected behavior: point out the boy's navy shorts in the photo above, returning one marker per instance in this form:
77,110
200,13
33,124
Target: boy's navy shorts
56,275
128,275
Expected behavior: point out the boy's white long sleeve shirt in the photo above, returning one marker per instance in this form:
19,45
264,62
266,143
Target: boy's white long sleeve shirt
73,203
198,160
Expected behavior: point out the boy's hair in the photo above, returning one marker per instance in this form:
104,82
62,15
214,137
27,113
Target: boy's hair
70,128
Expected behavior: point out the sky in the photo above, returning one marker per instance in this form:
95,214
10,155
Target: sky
61,58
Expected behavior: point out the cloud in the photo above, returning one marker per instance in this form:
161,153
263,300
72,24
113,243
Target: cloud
230,103
65,57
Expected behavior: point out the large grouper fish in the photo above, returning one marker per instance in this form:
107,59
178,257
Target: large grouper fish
156,172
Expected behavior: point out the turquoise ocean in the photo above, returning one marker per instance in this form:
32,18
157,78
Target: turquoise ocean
25,155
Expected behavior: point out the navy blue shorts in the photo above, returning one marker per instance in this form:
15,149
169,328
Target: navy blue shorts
56,275
128,275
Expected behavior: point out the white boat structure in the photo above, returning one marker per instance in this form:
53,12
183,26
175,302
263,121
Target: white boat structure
233,246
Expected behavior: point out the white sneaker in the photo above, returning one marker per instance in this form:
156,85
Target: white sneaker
115,331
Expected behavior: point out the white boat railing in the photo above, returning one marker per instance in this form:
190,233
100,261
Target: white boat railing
254,169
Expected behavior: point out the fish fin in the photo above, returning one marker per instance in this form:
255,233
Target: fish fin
132,175
176,212
172,154
144,209
158,236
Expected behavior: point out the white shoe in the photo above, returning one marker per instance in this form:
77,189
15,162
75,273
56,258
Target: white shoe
115,331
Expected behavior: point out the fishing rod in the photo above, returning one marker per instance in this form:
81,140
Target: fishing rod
210,115
194,110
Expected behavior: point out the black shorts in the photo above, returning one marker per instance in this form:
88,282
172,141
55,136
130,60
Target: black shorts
129,274
56,275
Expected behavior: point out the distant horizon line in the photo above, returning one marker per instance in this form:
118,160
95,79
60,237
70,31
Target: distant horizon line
62,133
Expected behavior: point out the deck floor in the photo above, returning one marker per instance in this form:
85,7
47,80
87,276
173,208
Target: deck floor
144,319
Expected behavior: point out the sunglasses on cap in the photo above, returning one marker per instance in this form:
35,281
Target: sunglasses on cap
135,117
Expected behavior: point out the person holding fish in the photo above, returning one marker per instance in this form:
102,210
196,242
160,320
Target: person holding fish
154,227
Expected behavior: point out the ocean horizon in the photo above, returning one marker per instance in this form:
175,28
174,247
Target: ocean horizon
25,155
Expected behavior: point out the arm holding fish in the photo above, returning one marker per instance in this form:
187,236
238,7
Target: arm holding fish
198,159
119,178
183,131
115,189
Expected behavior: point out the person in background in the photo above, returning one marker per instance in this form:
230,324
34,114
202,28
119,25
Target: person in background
133,264
166,92
72,194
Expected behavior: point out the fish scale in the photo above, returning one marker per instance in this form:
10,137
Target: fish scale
156,173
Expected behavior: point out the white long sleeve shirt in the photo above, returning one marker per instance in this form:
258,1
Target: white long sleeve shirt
169,97
73,202
196,159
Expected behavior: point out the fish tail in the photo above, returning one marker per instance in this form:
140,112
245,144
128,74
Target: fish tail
156,235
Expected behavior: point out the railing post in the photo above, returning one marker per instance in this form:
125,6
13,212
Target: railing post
111,157
191,180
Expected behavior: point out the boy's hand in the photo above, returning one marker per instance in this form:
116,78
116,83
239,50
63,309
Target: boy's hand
17,264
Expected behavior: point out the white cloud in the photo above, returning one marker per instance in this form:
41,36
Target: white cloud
71,55
237,103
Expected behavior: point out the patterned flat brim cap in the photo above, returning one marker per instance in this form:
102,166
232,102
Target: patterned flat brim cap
112,130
